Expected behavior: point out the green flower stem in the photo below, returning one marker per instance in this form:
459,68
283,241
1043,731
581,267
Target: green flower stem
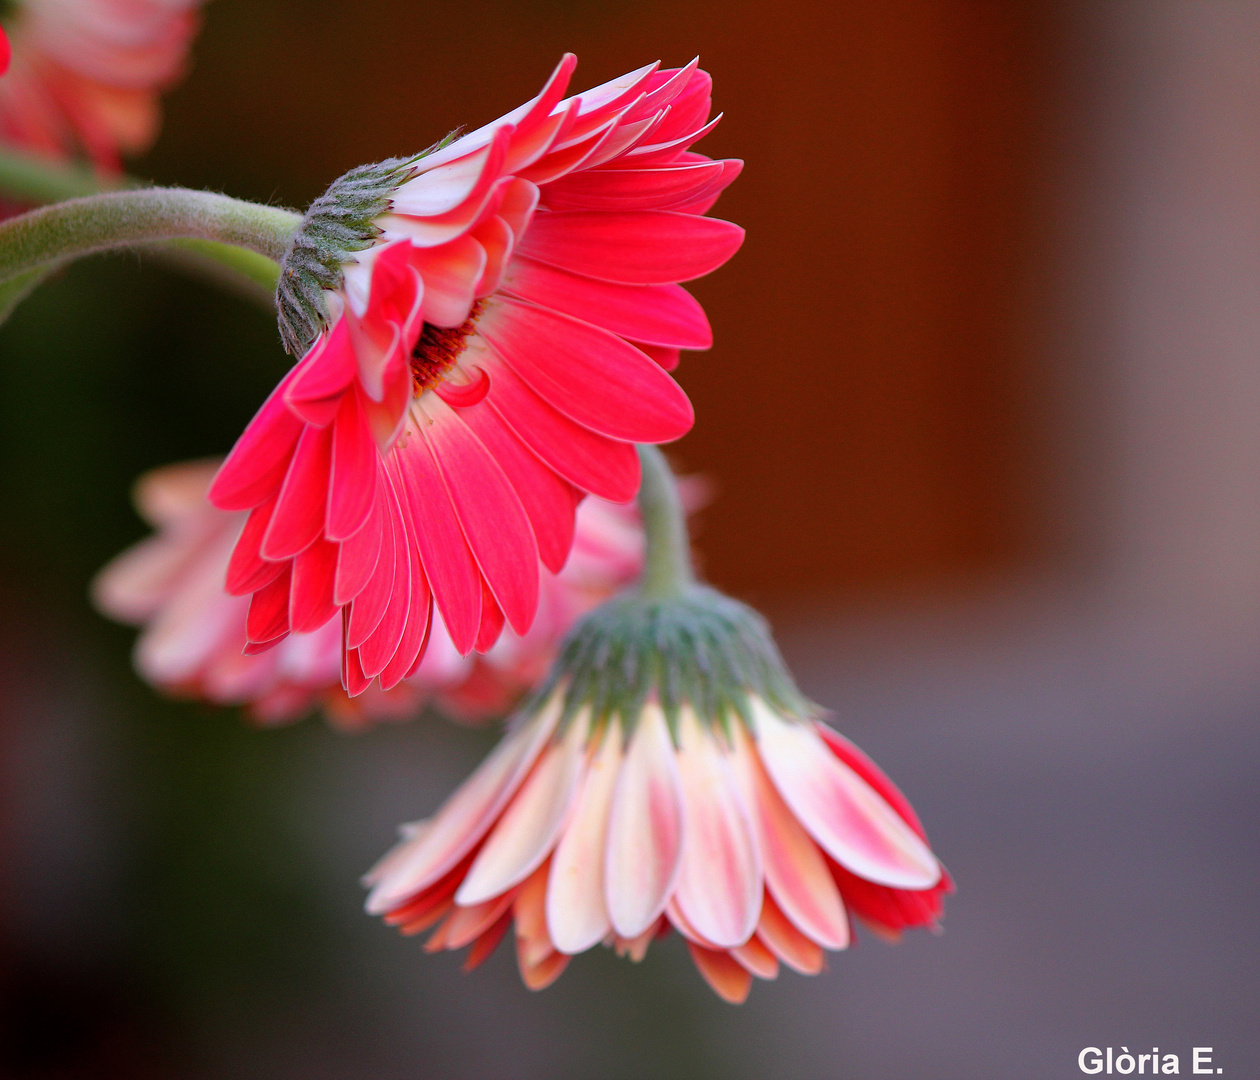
32,179
64,231
667,569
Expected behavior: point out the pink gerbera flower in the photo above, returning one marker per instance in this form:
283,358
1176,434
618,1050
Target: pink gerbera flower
87,74
192,643
669,777
486,331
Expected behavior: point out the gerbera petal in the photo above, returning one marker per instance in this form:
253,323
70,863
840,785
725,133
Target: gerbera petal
526,833
729,980
657,314
786,942
796,871
247,569
444,553
464,817
592,376
719,881
577,917
632,189
493,521
352,475
755,958
847,817
547,499
257,464
604,467
645,829
298,519
311,591
644,247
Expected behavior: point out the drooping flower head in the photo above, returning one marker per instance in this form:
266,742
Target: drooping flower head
485,332
87,74
193,639
669,775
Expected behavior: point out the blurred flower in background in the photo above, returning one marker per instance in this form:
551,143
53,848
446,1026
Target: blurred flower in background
86,75
193,639
493,351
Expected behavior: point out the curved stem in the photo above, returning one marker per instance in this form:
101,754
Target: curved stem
667,559
117,219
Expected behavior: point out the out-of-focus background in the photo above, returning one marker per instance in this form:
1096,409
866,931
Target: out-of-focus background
984,418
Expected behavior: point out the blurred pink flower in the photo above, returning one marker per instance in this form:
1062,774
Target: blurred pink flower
493,351
756,842
171,584
86,74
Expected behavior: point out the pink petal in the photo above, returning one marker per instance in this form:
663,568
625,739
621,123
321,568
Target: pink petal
269,610
352,474
632,189
492,620
323,375
247,570
796,871
848,819
658,314
645,829
463,819
311,592
667,358
360,552
756,959
493,521
604,467
577,918
256,466
415,634
298,518
786,942
380,646
645,247
526,833
729,980
719,884
547,499
368,608
444,553
451,273
591,376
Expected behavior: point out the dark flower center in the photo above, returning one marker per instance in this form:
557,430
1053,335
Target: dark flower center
438,349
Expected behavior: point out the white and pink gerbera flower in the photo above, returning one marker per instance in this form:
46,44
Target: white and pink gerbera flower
755,840
86,74
193,634
489,338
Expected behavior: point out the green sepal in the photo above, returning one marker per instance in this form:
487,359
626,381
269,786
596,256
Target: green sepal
700,648
336,225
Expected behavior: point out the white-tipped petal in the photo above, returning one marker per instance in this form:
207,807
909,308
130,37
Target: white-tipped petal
577,917
719,882
464,817
848,818
796,871
644,829
526,833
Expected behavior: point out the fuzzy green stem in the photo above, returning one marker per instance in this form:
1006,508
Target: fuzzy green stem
64,231
667,569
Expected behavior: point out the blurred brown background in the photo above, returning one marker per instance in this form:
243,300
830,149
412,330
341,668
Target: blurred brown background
865,409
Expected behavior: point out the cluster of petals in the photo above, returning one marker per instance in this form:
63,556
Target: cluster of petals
757,846
86,75
489,362
171,584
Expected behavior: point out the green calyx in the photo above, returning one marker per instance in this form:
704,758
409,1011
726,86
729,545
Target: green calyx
339,223
699,649
336,225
